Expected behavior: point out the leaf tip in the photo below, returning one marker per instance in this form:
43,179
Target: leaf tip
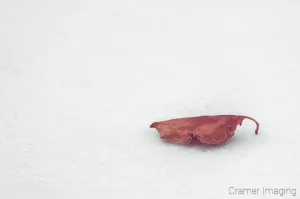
154,124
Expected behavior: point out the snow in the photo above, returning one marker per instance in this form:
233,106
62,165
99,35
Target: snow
81,82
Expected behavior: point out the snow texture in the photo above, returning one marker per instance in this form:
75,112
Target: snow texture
82,80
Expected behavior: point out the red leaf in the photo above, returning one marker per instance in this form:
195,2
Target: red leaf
207,129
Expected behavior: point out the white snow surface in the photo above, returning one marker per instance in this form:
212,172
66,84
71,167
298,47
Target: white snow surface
81,81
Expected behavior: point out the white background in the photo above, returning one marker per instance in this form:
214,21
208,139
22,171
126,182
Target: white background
82,80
